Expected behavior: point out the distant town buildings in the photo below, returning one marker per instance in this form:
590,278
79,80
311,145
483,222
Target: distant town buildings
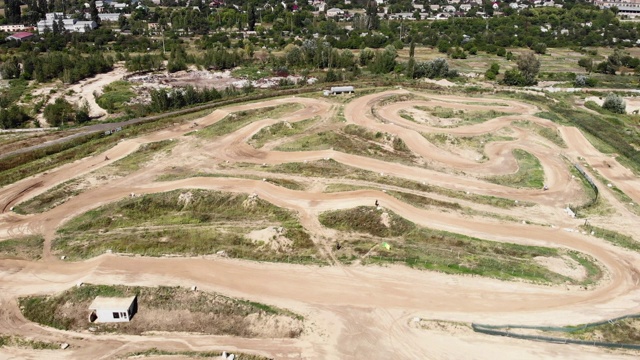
60,19
628,8
13,28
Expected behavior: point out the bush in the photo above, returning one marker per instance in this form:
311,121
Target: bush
539,48
584,81
614,103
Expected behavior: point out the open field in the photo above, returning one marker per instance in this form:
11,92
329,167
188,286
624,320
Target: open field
164,308
357,214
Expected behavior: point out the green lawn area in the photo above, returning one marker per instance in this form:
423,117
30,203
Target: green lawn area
115,96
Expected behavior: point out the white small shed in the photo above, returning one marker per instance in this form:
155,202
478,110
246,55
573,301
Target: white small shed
342,89
113,309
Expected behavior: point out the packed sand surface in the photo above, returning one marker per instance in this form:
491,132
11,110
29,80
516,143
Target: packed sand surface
350,311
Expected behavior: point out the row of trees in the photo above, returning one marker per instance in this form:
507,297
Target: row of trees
68,67
163,99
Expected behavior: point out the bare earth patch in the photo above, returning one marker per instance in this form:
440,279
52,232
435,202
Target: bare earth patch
272,237
564,266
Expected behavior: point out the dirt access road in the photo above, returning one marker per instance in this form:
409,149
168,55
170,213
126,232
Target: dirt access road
351,312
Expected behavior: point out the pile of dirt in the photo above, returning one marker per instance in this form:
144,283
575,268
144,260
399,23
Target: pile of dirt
273,237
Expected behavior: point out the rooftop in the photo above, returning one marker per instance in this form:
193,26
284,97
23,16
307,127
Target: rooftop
21,35
103,302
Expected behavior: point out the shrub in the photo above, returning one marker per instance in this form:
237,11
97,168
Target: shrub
584,81
614,103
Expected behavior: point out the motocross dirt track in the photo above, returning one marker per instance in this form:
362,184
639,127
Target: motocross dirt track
351,312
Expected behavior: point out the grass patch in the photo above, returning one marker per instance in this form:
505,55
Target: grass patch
26,247
423,201
250,73
56,196
20,166
451,253
26,343
162,308
346,187
624,331
134,161
547,133
155,352
185,222
617,131
475,143
237,120
529,174
613,237
333,169
115,96
179,175
619,194
280,130
356,140
463,117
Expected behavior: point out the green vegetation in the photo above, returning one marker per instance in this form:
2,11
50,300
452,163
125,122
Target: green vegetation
618,132
191,354
475,143
529,174
464,117
547,133
619,194
20,166
356,140
346,187
22,342
280,130
55,196
115,96
424,248
423,201
613,237
134,161
185,222
285,183
333,169
624,331
26,247
180,309
239,119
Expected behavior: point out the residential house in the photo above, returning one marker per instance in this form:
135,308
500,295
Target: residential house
334,12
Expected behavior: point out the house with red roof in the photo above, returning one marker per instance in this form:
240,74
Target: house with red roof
20,36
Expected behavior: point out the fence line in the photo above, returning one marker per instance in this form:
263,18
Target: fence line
503,330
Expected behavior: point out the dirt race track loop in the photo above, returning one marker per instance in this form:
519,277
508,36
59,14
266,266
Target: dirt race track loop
351,312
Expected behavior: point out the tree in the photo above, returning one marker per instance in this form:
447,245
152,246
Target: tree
614,103
373,23
385,61
411,65
251,17
586,63
529,66
93,10
12,11
10,69
12,117
492,72
59,112
539,48
82,115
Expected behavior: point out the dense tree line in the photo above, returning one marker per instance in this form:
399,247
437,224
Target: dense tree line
12,117
163,99
67,67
